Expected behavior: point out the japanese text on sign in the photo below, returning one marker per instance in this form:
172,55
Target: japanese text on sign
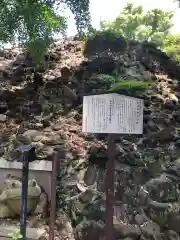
112,113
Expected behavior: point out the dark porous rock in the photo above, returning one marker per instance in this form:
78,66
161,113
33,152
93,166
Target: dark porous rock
19,71
3,107
147,103
101,43
88,230
65,72
70,94
141,175
46,123
173,169
53,56
177,144
146,118
152,126
15,155
170,104
176,115
101,65
147,111
98,156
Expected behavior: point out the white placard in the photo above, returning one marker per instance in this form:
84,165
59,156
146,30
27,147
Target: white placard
112,113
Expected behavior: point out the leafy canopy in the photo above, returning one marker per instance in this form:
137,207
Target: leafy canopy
134,24
33,22
171,46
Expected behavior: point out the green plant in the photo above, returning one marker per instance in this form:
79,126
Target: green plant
149,159
131,88
15,235
32,23
171,46
134,24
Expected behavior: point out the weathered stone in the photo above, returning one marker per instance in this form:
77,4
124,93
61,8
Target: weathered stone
127,230
171,235
173,219
87,230
90,175
140,219
45,153
158,212
154,167
152,126
57,126
163,135
38,126
2,118
54,139
27,136
151,230
141,175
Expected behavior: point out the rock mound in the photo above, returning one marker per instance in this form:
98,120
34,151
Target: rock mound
49,115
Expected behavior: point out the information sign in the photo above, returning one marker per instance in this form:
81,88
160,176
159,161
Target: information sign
112,113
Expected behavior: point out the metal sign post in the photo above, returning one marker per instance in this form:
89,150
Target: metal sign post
110,187
112,114
27,155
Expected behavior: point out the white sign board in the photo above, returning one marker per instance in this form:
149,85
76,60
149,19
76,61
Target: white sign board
112,113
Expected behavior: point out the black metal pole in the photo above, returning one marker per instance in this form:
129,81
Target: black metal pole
109,228
24,194
27,155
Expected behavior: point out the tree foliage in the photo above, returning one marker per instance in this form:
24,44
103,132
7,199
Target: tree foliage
80,9
171,46
134,24
33,22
